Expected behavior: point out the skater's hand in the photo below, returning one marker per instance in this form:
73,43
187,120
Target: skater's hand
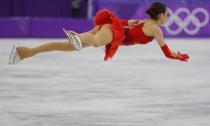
182,57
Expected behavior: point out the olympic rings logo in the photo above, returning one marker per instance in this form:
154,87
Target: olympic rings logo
183,23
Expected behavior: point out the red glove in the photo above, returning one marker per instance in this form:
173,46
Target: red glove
179,56
182,57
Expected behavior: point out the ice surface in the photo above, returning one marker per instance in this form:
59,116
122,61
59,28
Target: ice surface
139,87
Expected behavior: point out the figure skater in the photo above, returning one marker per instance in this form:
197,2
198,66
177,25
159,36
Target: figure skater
111,32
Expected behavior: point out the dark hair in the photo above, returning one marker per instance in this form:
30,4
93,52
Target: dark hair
155,9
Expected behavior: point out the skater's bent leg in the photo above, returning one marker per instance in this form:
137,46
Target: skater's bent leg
26,52
96,37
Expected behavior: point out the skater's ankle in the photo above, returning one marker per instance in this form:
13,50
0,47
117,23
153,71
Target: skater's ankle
24,52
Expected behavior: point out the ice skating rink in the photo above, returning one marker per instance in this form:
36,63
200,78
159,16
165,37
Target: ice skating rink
139,87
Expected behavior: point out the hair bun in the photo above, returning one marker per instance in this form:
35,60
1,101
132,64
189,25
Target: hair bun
155,9
151,12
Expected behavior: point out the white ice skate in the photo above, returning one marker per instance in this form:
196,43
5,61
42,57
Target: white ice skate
74,39
14,57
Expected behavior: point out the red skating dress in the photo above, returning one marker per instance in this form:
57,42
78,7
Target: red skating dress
121,35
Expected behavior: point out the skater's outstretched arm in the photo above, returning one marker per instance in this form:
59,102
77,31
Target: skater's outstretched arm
158,35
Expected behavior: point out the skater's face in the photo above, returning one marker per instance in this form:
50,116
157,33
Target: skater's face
163,16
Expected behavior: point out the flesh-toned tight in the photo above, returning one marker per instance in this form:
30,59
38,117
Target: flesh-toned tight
94,37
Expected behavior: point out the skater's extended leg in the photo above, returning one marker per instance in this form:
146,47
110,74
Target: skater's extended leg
25,52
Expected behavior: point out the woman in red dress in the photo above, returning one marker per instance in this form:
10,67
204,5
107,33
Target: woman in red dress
111,32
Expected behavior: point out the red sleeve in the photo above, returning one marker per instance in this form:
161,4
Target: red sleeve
124,22
167,52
